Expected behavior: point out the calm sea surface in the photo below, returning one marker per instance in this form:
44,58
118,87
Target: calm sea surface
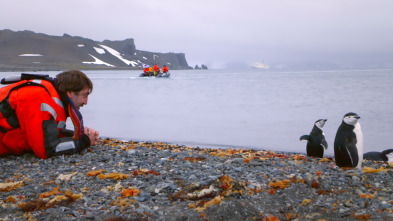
246,109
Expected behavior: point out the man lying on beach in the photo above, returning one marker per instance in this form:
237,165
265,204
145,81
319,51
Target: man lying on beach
34,110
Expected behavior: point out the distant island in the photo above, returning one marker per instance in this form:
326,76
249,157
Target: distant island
30,51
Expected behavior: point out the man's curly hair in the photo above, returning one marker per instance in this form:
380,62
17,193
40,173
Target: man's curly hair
73,80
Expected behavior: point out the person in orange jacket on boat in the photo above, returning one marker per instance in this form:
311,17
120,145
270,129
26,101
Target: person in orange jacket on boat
34,110
145,69
165,69
156,70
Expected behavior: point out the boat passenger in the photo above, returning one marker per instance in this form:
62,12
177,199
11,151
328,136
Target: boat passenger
145,69
165,69
150,71
156,70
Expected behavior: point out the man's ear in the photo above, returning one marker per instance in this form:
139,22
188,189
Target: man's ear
69,93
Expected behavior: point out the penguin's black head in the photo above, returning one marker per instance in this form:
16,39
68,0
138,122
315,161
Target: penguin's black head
388,155
351,114
351,118
320,123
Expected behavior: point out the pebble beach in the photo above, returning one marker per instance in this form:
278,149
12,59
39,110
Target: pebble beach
128,180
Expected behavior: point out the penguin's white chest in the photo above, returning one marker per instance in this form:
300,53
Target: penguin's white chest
359,144
390,157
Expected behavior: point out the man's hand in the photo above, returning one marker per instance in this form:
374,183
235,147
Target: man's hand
93,135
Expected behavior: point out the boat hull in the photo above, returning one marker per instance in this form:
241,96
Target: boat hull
160,75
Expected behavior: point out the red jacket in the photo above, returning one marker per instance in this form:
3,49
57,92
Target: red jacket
156,68
165,69
31,119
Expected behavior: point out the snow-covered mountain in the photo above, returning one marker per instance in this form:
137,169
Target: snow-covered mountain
27,50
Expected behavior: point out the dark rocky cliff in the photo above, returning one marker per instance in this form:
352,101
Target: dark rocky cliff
27,50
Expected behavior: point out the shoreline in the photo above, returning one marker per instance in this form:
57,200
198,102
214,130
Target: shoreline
215,146
128,180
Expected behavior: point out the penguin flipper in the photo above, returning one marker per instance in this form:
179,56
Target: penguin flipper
324,143
305,137
353,153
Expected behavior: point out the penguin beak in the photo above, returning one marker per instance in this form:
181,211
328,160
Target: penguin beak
357,117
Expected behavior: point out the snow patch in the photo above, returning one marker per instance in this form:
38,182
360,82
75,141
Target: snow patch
30,55
81,45
97,61
118,55
99,50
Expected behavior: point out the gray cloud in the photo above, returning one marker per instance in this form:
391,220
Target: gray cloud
277,31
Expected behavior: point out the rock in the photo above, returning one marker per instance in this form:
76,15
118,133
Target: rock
192,177
89,215
171,188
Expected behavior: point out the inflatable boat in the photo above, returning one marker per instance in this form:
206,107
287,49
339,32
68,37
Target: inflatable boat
160,75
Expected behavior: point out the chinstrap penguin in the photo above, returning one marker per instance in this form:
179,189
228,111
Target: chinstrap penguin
348,144
316,142
386,155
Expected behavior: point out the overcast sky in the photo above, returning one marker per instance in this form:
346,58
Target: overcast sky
214,32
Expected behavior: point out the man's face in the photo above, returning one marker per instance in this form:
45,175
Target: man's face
79,98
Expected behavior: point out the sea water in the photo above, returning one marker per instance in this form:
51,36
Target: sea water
256,109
